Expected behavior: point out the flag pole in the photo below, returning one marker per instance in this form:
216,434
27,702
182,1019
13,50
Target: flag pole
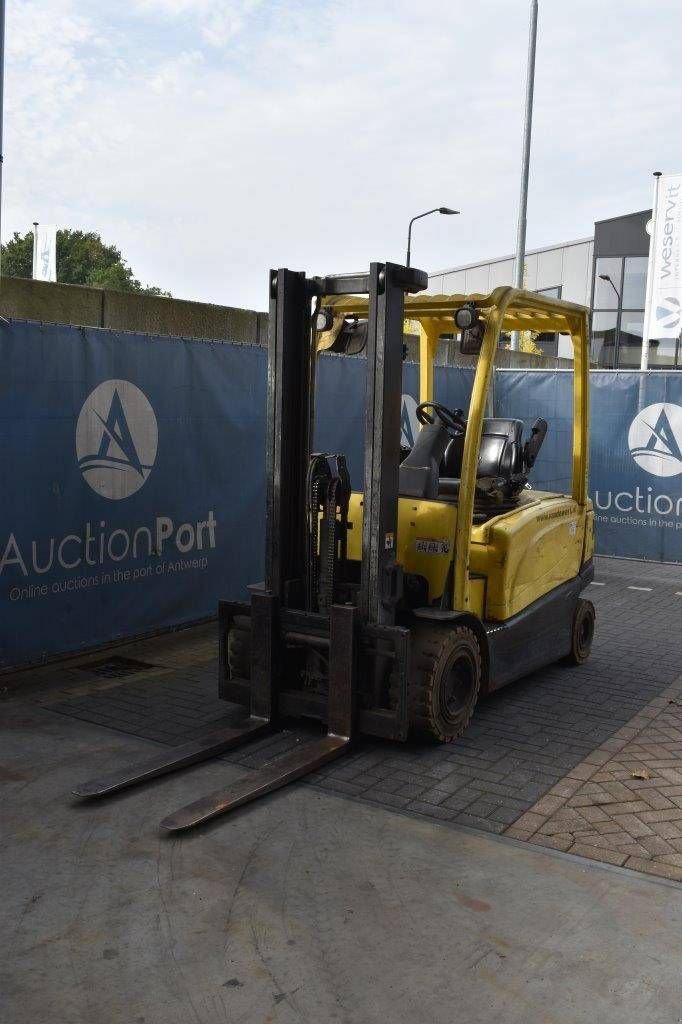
644,364
2,96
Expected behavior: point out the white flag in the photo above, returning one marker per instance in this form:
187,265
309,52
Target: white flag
45,253
663,315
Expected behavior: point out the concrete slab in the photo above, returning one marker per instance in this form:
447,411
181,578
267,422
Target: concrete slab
305,907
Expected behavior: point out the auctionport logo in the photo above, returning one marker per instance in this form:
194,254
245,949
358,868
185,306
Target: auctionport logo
116,442
655,439
116,439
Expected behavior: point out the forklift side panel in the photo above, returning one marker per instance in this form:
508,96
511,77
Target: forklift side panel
538,636
528,553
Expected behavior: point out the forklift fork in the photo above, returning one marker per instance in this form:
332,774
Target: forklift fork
301,760
265,682
212,744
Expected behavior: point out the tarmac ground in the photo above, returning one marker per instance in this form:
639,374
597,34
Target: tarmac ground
527,873
306,906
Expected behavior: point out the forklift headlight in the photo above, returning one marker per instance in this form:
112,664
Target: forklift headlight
324,320
466,317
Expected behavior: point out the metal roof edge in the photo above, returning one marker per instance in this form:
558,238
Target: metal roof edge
624,216
503,259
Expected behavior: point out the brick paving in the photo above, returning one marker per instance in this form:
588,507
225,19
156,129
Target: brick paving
623,803
533,740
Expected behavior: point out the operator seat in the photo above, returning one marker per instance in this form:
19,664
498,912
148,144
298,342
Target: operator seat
503,462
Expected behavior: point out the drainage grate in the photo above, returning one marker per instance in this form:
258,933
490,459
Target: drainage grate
113,668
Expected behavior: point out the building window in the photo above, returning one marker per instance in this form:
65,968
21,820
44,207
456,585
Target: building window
616,337
604,339
665,353
634,282
607,283
547,340
630,340
619,297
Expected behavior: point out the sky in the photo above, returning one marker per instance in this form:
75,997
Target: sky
213,139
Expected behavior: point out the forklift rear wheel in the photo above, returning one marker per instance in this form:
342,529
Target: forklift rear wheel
445,679
582,633
239,647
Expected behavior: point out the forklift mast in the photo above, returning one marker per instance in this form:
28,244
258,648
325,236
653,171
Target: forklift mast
291,417
297,607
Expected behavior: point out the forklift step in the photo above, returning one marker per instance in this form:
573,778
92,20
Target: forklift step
291,766
210,745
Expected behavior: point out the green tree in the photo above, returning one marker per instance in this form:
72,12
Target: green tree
82,258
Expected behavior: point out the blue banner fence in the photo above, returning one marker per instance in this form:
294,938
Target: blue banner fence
133,472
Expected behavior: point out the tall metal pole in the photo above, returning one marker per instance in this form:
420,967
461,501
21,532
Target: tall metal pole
525,160
2,95
648,302
35,250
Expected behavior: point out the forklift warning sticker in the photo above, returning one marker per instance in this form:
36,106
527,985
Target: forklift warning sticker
428,546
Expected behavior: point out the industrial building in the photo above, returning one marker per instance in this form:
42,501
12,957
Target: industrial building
606,272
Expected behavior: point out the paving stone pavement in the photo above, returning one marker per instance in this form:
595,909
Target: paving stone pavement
623,803
523,742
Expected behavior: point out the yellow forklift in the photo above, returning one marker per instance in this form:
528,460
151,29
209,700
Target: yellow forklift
390,611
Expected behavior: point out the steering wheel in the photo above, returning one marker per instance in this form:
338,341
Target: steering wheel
453,420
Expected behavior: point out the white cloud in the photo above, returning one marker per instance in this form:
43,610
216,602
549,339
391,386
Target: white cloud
212,140
220,21
171,75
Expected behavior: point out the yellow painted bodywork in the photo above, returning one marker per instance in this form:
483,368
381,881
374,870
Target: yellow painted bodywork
522,554
516,557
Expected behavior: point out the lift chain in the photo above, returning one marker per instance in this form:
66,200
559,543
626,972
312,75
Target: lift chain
318,472
329,492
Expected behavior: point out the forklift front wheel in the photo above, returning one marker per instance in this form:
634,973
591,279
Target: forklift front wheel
582,633
445,680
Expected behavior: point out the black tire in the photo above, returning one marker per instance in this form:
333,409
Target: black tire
445,680
239,648
582,633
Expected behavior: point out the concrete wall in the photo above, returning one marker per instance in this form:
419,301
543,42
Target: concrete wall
23,299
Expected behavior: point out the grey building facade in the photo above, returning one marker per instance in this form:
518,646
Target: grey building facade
607,273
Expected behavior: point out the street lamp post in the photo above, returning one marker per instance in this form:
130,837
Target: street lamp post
437,209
